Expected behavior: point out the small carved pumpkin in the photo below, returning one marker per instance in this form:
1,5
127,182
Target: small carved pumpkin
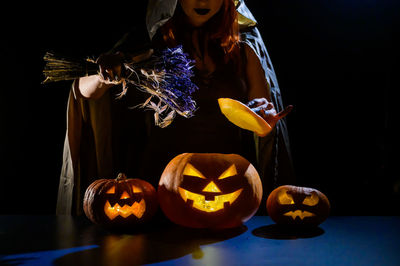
209,190
300,206
120,202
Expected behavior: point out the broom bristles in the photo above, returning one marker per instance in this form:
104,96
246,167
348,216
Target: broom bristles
59,68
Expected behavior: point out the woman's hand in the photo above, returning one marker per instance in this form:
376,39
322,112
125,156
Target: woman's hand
267,110
110,67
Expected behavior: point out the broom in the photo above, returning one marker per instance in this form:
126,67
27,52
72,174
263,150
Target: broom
165,76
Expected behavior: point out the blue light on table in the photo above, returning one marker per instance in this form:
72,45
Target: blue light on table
41,258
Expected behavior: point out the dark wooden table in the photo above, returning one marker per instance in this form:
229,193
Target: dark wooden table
66,240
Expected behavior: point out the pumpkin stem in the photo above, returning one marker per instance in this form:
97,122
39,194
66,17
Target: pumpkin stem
121,176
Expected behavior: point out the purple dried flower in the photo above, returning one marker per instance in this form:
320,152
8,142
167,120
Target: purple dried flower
177,81
167,75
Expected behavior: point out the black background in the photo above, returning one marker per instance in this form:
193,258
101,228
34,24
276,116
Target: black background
336,62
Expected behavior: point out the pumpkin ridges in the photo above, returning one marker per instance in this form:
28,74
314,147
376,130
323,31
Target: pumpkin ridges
92,192
88,198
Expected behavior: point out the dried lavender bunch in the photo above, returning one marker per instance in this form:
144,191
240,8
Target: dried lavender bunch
166,76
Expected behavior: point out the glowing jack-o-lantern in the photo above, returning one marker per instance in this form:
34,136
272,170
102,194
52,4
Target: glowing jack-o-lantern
209,190
120,201
300,206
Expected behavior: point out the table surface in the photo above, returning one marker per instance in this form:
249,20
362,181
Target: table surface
67,240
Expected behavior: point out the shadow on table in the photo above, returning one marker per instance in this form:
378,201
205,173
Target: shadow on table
150,244
66,240
274,231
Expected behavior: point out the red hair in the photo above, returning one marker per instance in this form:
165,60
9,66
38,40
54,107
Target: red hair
222,29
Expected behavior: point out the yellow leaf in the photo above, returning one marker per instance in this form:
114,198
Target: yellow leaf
243,117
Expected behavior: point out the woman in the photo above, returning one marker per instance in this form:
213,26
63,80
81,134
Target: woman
104,138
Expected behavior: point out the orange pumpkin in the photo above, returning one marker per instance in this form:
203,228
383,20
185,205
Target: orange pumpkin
209,190
297,206
120,202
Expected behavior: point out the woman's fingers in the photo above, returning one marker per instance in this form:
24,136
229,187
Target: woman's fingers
117,71
257,102
110,66
272,117
267,110
260,108
110,74
285,112
103,73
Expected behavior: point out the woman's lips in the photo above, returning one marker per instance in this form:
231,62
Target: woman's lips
202,11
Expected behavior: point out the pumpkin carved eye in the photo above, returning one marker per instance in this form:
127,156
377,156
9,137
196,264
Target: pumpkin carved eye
192,171
284,198
311,200
231,171
111,190
136,189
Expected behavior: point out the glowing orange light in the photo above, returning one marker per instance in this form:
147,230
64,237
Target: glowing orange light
192,171
231,171
136,189
125,195
111,190
285,198
200,202
137,209
311,200
299,213
211,187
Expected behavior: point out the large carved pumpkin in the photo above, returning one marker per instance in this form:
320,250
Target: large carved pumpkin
120,202
209,190
298,206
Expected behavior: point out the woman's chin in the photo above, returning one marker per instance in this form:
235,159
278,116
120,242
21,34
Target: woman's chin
198,20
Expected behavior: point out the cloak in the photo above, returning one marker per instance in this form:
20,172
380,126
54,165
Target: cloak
88,143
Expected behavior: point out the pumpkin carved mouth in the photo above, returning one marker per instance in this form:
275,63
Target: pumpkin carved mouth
137,209
199,201
299,213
